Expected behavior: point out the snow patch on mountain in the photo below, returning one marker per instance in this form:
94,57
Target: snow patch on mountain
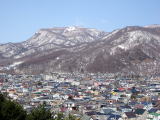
152,26
16,64
72,28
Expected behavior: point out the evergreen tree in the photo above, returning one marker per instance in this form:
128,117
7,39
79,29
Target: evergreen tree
10,110
39,113
59,116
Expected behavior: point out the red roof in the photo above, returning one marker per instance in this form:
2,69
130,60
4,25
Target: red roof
140,106
121,89
63,109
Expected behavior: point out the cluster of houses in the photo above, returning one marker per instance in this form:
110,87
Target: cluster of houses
87,96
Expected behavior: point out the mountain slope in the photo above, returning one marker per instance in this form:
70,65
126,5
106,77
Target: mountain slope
132,49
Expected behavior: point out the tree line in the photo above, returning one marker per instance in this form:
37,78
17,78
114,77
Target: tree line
11,110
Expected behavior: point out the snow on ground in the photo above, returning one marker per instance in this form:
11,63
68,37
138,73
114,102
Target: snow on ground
16,63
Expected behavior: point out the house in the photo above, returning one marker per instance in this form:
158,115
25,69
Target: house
111,101
113,117
139,111
154,116
125,108
69,104
86,117
129,116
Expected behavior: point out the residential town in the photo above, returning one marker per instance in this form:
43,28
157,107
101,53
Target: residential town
87,96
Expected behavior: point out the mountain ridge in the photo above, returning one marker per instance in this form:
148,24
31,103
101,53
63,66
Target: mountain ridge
74,49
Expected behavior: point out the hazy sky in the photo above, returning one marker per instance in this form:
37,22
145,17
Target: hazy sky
20,19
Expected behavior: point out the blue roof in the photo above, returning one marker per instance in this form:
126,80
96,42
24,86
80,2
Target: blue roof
145,103
114,116
125,107
132,103
152,110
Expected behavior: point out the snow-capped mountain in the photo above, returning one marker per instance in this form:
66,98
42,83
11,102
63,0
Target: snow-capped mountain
68,36
75,49
52,38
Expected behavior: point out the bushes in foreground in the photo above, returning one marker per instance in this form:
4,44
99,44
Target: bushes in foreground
10,110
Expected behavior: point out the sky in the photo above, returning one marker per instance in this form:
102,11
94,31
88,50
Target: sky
20,19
